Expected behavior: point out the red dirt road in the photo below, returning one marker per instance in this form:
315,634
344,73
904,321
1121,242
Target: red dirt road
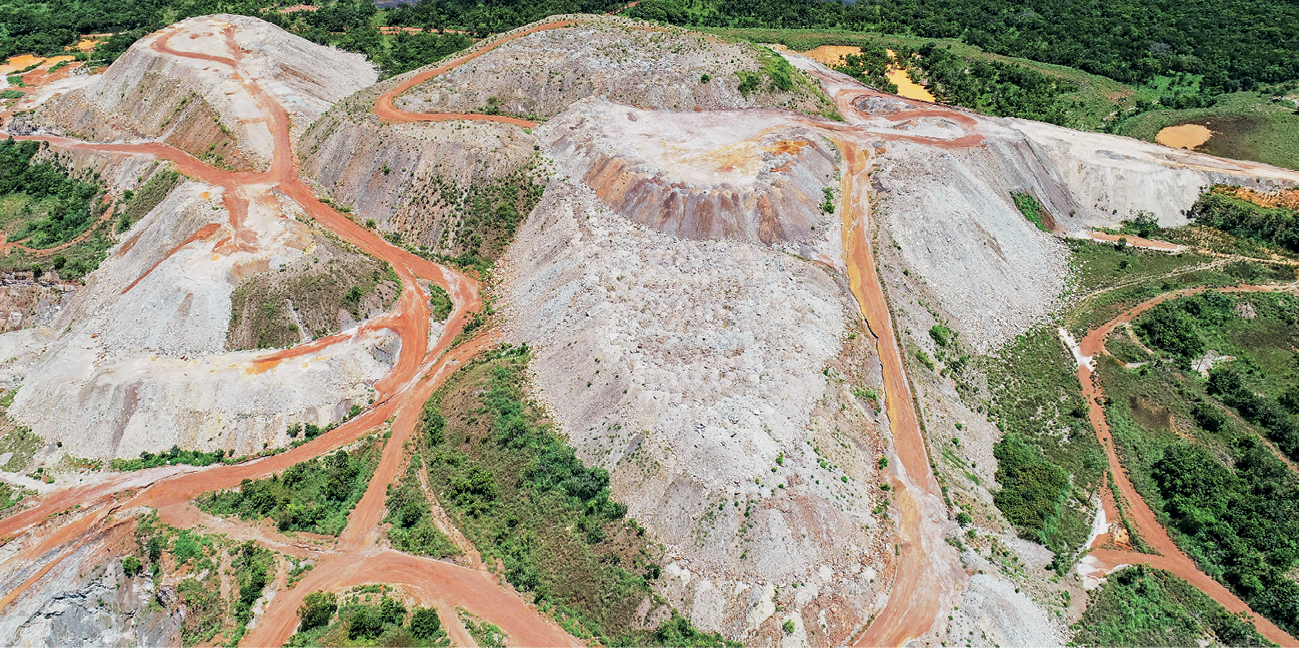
402,393
1154,534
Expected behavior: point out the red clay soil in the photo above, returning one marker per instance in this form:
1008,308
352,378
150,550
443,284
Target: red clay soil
915,599
1138,513
402,393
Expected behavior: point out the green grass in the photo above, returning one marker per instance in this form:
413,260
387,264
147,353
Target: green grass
1049,460
1225,499
1250,126
23,444
440,302
485,634
413,530
367,616
1031,209
1122,347
313,496
1141,606
136,204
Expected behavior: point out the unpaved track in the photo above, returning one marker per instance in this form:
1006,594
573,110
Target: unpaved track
402,393
1154,534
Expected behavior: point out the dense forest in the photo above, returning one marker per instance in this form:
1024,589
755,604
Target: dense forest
1235,44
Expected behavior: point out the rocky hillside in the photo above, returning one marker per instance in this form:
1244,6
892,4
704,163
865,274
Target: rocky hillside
422,181
202,108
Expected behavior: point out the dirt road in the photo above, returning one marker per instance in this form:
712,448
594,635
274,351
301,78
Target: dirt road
1148,527
402,393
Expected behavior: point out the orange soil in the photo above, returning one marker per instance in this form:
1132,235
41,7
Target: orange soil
1184,136
402,393
1136,241
1137,511
1287,198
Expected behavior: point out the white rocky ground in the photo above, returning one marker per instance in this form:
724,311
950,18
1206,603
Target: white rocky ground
190,103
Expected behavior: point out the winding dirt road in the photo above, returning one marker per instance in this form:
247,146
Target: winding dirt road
401,395
1138,512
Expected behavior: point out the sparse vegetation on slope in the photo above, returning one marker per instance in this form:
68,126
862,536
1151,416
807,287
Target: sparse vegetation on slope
522,497
140,202
1140,606
326,289
314,496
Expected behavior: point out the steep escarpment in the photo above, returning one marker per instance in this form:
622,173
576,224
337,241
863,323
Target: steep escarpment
417,180
200,106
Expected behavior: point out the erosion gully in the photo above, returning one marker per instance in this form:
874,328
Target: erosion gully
926,573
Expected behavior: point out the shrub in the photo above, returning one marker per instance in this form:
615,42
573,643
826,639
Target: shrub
316,610
424,623
131,566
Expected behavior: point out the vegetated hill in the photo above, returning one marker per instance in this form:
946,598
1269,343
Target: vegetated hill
433,184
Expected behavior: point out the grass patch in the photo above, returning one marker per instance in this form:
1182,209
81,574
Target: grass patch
314,496
1247,126
59,207
138,203
484,633
366,616
1121,346
316,295
440,302
1049,460
1142,606
1031,209
23,444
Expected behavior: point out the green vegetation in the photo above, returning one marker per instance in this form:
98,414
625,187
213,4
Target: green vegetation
1232,44
172,457
413,530
870,67
990,87
278,308
440,302
1273,227
485,634
1258,126
1141,606
314,496
779,73
21,442
1048,460
1122,347
1032,209
522,496
1114,277
56,209
163,551
361,622
1225,497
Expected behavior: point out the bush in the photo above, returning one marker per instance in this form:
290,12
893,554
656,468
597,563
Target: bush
424,623
131,566
1032,488
316,610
